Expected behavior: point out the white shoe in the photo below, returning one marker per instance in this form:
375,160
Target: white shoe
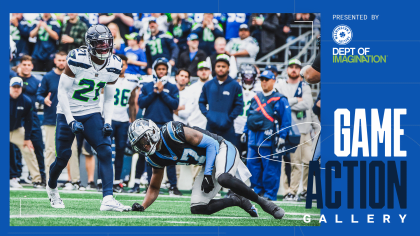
54,197
110,204
143,179
14,183
68,186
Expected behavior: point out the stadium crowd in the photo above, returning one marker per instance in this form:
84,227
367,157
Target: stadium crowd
253,109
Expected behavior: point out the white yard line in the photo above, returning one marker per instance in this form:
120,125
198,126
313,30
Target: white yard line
133,200
149,217
179,222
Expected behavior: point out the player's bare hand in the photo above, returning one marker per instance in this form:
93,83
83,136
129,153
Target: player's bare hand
28,144
47,100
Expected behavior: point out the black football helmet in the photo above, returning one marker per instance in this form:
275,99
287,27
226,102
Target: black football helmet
248,76
99,41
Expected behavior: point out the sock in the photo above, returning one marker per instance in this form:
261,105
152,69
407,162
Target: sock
99,181
108,197
55,170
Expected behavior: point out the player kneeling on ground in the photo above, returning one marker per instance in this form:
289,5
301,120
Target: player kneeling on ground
86,73
178,144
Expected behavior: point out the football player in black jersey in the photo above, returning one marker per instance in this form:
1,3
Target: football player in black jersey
178,144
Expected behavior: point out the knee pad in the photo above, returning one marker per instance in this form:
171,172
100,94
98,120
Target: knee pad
199,209
225,180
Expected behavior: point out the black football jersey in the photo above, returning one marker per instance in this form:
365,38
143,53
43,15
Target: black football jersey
175,150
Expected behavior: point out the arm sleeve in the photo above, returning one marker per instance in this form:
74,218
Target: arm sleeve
317,63
306,104
42,91
171,99
148,57
145,99
285,114
202,102
212,149
28,121
238,103
64,87
174,49
109,92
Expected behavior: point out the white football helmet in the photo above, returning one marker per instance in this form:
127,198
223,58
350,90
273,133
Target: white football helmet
144,135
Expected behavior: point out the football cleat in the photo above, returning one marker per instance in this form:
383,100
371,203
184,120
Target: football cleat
118,188
173,191
110,204
54,197
271,208
245,204
38,185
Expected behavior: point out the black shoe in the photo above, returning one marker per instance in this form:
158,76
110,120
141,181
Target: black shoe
271,208
173,191
135,189
38,185
229,193
99,187
118,188
245,204
44,183
289,197
78,186
302,195
91,186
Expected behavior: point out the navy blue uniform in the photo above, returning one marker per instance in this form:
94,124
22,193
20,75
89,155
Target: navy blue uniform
207,36
30,88
49,84
175,150
260,127
20,108
161,45
225,104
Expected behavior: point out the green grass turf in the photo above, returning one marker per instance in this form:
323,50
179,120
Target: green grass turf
166,211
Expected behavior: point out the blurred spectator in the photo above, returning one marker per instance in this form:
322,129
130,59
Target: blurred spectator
47,95
160,45
245,48
208,31
47,31
180,28
136,56
263,28
190,59
125,94
123,20
21,115
283,31
272,68
160,98
185,102
204,74
234,20
162,22
266,107
299,96
19,30
220,48
30,89
247,77
119,43
73,33
223,95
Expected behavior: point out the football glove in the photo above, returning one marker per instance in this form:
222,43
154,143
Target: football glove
280,144
137,207
76,127
243,138
207,184
107,130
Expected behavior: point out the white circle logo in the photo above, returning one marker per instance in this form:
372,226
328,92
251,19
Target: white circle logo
342,34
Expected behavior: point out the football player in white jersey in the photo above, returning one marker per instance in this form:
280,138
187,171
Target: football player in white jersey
125,95
88,70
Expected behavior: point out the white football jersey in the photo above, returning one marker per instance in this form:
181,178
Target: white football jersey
84,94
240,121
124,87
